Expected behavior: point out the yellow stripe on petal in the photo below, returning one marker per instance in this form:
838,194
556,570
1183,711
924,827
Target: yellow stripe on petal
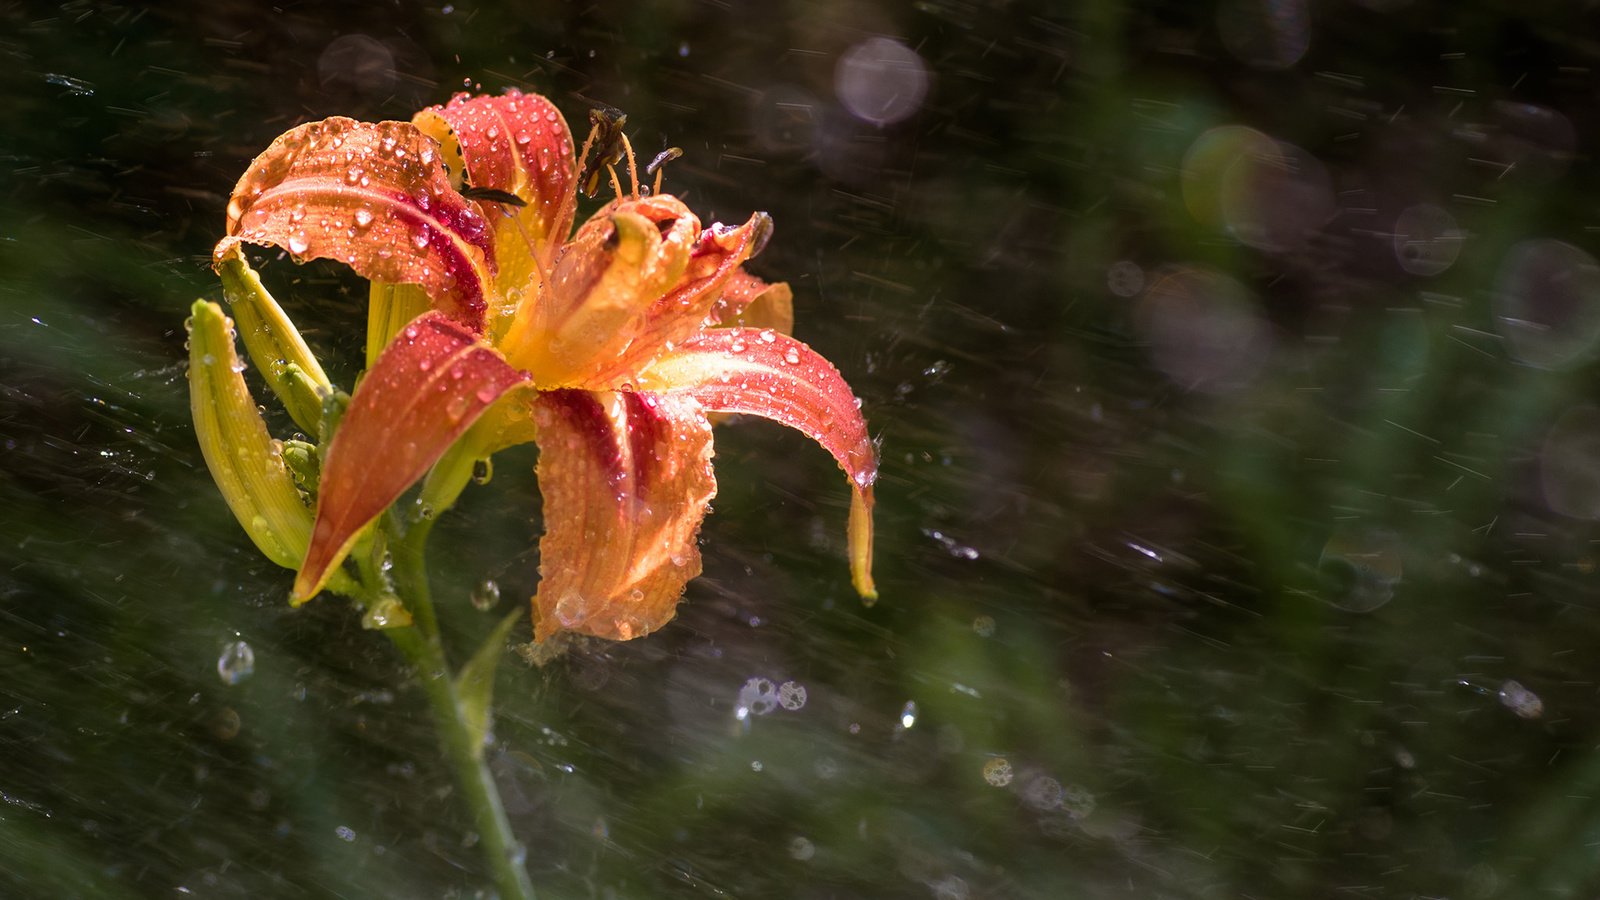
246,463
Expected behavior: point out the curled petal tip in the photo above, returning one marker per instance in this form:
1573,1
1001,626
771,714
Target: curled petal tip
860,540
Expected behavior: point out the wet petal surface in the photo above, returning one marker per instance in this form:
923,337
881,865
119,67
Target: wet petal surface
626,479
375,197
430,385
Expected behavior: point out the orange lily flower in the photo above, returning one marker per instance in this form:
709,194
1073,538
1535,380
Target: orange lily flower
610,349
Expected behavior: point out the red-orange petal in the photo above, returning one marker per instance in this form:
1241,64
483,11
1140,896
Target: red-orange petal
626,479
760,372
682,311
749,302
432,382
517,143
375,197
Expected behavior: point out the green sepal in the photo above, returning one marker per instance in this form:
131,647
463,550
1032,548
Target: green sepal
475,684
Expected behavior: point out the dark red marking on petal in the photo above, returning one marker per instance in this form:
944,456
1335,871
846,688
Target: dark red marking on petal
429,385
375,197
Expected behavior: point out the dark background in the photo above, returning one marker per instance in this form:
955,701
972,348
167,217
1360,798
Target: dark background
1255,543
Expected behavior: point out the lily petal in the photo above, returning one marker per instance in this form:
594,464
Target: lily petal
374,196
717,255
619,263
763,373
749,302
626,479
518,144
434,380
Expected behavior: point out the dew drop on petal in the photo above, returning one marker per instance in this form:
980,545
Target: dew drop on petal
298,243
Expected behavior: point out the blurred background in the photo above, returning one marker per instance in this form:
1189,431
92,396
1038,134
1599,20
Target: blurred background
1234,366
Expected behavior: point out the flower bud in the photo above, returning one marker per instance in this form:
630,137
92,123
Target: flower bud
244,460
272,341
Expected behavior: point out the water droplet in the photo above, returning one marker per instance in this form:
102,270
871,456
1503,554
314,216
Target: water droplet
791,695
386,612
1521,701
298,243
791,356
1042,793
456,408
352,175
486,595
482,471
1361,567
420,240
1125,278
758,696
997,771
236,663
345,833
363,218
801,849
908,714
569,609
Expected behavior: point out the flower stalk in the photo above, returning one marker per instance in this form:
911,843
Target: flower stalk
460,722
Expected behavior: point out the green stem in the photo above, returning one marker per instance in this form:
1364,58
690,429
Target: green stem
421,645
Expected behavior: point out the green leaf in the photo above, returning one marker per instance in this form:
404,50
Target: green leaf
475,684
